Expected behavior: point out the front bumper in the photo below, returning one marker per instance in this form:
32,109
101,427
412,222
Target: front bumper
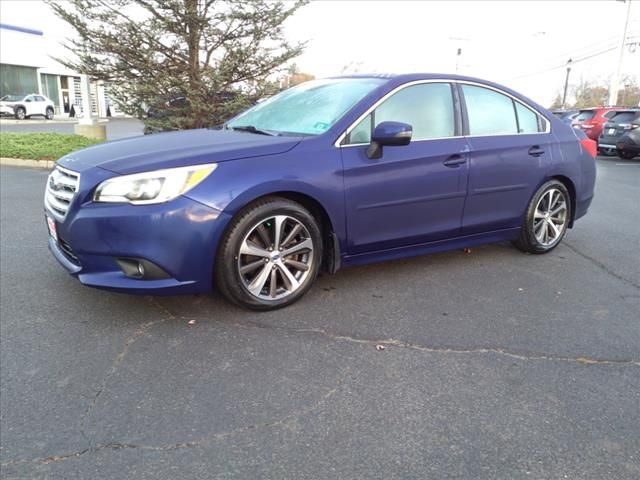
180,237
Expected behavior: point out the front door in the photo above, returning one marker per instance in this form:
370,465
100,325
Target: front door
414,193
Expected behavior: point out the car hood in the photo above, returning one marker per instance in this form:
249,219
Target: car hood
175,149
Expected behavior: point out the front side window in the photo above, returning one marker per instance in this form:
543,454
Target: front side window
427,107
310,108
489,112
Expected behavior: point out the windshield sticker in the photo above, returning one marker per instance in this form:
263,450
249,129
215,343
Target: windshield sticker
321,126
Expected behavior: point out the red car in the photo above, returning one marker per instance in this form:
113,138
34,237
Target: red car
591,121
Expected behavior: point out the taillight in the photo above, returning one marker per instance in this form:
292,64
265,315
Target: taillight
590,146
629,126
588,125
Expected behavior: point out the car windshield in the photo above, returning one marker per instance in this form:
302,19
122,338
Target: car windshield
12,98
310,108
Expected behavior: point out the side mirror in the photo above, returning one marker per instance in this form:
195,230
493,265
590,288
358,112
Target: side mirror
392,134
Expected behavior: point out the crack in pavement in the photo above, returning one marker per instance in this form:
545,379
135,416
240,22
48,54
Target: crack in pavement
601,266
140,331
200,442
581,360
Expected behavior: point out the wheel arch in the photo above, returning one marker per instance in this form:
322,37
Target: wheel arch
571,188
331,244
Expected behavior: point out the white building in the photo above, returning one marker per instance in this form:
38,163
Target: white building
26,68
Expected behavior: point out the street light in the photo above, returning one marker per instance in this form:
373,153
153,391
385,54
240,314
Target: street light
566,85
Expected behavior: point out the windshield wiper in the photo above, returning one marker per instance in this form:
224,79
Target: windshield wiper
252,129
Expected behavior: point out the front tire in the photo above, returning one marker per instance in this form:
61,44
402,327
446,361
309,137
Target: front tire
49,114
20,113
546,220
270,255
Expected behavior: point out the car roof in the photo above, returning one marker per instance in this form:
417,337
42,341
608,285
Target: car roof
402,78
600,108
410,77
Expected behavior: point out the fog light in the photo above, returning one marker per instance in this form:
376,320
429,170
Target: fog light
141,269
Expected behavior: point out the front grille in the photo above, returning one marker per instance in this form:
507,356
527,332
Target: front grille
66,249
62,186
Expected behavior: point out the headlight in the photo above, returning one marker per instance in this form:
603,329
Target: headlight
152,187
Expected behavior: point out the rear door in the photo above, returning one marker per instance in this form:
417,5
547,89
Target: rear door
510,151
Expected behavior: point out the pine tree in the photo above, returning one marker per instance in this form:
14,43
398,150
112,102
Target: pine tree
217,55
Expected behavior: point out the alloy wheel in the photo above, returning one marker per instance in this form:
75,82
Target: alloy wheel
550,217
275,257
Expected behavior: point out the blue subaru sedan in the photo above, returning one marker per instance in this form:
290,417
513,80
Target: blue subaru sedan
331,173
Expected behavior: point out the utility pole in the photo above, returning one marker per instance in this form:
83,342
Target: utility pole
615,81
566,85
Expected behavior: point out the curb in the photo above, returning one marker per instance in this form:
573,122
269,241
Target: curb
19,162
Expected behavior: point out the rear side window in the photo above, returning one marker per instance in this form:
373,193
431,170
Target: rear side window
489,112
585,115
427,107
527,119
610,114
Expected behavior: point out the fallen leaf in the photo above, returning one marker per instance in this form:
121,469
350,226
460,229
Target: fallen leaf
380,347
192,322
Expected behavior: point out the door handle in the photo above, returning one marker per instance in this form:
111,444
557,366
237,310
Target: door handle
536,151
454,161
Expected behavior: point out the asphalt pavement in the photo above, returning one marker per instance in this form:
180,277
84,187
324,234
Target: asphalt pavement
497,364
116,127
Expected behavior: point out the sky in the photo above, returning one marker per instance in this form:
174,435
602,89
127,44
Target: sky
522,44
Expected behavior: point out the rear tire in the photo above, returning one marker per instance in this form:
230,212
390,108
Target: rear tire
253,268
626,155
608,152
20,113
546,219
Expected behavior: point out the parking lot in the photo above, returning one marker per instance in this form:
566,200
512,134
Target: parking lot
496,364
116,127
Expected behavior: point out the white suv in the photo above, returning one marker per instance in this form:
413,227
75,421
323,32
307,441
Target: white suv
24,106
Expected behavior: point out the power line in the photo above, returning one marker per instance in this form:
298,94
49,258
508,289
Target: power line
564,64
580,50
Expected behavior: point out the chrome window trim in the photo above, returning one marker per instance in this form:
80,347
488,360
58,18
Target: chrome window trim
355,123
